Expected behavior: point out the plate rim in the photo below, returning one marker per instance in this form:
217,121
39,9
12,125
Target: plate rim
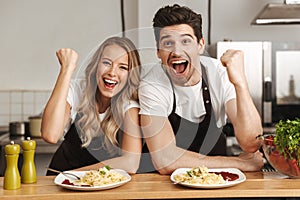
242,178
92,188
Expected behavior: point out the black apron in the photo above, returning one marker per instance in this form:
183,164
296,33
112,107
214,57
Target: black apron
71,155
204,137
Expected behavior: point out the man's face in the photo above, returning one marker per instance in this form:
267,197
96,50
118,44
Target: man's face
179,53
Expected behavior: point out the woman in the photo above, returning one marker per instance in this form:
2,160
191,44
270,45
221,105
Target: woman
99,114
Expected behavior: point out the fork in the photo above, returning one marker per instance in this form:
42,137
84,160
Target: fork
177,182
268,168
67,174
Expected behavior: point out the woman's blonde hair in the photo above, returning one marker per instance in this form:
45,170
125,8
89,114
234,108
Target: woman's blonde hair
88,123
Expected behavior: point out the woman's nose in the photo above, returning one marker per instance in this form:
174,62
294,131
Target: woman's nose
112,70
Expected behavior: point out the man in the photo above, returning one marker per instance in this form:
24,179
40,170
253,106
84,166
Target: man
186,100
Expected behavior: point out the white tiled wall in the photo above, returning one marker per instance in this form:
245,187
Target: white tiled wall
18,105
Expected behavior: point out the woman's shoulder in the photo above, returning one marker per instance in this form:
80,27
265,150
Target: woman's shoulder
77,84
131,104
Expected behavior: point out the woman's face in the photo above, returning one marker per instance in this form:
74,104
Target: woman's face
112,71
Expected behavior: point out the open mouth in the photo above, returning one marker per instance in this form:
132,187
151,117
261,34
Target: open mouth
109,83
179,66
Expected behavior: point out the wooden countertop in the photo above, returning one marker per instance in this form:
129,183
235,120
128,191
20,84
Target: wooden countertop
155,186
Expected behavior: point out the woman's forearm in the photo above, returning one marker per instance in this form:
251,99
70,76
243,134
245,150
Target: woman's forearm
56,112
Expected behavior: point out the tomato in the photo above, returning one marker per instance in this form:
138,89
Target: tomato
269,140
278,161
294,167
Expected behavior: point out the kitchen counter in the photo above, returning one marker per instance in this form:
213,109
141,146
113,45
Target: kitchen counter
155,186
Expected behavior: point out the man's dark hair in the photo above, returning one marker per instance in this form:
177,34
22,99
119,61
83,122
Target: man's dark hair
175,15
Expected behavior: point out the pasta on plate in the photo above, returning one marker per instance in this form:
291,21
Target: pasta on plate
199,175
102,176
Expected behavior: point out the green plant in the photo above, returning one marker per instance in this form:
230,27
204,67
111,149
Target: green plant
287,139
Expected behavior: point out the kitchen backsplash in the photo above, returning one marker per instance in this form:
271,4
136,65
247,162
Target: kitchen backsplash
18,105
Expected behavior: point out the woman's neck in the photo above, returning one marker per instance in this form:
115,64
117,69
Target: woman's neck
103,104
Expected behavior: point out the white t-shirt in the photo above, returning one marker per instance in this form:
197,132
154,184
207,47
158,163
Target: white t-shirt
156,93
74,98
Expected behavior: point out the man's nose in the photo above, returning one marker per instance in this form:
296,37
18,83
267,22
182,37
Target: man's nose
177,50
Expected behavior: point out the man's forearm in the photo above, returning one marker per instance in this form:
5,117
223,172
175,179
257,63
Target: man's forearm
248,124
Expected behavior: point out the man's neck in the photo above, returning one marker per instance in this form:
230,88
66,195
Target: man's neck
195,78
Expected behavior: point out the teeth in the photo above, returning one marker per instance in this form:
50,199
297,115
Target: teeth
110,81
178,62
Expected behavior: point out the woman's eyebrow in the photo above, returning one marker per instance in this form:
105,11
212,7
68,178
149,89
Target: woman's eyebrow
124,64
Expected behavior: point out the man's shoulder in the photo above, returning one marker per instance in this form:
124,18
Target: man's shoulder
155,74
212,66
209,61
155,92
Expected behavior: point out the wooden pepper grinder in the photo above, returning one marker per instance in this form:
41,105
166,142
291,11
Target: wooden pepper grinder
28,172
12,179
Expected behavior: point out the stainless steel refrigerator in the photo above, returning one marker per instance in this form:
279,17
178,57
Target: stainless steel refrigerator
257,63
272,71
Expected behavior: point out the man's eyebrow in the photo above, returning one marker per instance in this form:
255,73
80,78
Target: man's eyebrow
182,35
189,35
164,37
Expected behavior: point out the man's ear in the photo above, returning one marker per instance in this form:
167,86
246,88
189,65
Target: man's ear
158,53
201,46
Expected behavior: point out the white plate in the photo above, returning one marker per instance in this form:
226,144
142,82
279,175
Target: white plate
241,178
60,178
